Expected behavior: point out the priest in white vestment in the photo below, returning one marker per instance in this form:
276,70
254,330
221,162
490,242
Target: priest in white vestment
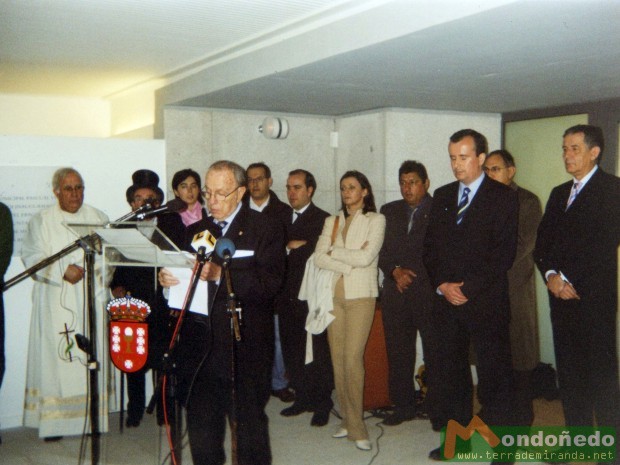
57,376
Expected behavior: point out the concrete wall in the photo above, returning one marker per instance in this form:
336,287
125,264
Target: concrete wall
374,143
196,138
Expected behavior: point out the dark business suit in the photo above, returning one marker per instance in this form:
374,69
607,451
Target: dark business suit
6,251
280,213
582,243
313,383
276,210
206,344
478,252
173,227
406,313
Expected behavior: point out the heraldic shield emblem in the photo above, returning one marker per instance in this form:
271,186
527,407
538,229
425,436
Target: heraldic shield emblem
129,333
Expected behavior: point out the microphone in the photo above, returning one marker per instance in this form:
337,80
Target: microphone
225,248
204,239
172,206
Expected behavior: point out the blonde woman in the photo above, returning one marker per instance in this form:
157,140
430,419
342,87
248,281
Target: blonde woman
353,256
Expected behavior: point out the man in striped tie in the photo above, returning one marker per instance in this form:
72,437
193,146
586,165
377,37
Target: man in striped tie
469,246
576,252
213,389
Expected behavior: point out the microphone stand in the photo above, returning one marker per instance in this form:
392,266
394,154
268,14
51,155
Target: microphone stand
169,366
83,242
140,214
48,261
93,364
235,317
89,345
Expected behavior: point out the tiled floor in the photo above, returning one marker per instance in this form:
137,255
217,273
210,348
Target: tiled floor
293,441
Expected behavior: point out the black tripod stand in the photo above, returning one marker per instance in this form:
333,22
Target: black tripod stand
225,249
166,391
91,245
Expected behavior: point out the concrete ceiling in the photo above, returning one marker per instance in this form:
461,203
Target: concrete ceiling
484,55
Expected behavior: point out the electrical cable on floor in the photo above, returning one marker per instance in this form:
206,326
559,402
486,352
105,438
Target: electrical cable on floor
376,454
382,414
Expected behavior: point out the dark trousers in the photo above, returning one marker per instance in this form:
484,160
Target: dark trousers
586,357
451,382
210,404
209,399
2,359
403,317
136,393
314,382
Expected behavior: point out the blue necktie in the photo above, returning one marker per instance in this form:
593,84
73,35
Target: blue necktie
463,204
222,224
573,194
411,215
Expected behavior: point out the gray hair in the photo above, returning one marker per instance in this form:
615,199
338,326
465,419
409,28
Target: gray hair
227,165
60,174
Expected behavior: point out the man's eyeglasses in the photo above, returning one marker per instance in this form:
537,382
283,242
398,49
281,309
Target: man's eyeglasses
493,169
143,200
217,196
256,180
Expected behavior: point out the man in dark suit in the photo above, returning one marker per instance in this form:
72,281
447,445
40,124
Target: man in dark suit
206,343
407,295
576,251
470,245
6,251
261,198
313,382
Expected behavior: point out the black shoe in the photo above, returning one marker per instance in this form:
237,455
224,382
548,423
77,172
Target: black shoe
293,410
320,418
53,438
398,417
435,455
285,395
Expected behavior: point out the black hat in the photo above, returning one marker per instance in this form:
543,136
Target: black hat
144,178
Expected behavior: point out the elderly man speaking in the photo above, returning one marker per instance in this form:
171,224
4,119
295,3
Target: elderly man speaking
206,383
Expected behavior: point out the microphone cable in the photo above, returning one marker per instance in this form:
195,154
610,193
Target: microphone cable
200,261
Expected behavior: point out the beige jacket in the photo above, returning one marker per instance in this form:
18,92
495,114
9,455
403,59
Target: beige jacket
358,265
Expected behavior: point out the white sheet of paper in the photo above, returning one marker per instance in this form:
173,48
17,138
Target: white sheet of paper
243,253
176,298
